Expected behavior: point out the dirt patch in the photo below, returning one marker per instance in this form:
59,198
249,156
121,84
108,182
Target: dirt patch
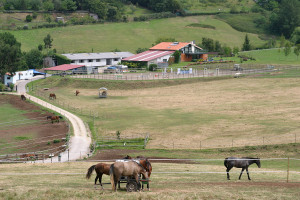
34,134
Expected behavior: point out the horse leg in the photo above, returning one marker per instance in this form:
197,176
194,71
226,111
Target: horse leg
96,180
241,173
227,170
248,174
100,180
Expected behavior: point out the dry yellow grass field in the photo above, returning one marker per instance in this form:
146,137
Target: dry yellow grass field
221,113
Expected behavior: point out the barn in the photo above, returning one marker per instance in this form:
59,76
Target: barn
68,69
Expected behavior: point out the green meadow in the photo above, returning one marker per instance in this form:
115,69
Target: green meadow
132,35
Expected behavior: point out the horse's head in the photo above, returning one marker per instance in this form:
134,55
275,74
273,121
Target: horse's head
257,161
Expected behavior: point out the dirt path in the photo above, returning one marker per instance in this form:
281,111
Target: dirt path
80,140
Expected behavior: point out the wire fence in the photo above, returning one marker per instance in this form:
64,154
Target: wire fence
190,72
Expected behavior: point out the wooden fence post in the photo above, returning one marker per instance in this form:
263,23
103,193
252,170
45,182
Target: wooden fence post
288,170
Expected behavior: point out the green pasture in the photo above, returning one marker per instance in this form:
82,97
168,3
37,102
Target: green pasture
215,6
272,56
132,35
67,181
9,114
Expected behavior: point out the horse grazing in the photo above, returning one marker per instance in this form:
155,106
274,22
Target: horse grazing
100,168
130,168
147,165
23,98
54,118
240,163
77,92
52,96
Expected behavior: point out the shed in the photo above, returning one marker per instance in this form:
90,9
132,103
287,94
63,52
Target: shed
102,92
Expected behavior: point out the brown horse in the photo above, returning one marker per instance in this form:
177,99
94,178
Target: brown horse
77,92
23,98
100,168
54,118
147,165
52,96
130,168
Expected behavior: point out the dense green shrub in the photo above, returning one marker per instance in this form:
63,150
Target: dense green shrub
152,67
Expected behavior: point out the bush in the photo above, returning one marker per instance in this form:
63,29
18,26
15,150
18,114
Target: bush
34,15
2,87
28,18
152,67
56,141
11,86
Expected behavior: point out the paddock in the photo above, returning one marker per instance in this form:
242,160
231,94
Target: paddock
200,178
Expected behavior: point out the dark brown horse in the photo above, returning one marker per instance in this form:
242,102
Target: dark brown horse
77,92
54,118
52,96
130,168
23,98
100,168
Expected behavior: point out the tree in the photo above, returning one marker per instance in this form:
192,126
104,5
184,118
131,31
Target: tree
208,44
236,50
286,19
10,54
297,50
28,18
34,59
246,45
287,48
98,7
48,5
48,41
176,55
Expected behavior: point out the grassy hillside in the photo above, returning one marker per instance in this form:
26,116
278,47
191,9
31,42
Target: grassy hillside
215,5
132,35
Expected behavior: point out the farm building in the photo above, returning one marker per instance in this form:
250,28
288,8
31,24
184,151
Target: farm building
160,53
68,68
96,60
21,75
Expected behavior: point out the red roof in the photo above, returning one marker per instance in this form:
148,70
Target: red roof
148,55
169,46
64,67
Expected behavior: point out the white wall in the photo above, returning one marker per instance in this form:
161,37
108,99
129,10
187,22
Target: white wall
94,62
21,75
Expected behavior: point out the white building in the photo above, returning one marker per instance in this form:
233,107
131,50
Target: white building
21,75
96,60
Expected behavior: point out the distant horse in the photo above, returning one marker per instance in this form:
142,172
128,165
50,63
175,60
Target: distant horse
23,98
100,168
77,92
240,163
52,96
54,118
127,157
28,156
130,168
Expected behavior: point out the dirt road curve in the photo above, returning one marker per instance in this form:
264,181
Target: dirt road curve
79,145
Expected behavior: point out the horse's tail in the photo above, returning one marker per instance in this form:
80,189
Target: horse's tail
226,162
112,178
90,171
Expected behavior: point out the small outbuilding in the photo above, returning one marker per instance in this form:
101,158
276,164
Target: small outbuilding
102,92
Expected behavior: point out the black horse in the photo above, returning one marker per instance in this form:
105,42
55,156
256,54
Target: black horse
240,163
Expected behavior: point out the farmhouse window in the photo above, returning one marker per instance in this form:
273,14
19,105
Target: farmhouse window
116,59
164,60
97,60
81,61
73,61
90,60
8,78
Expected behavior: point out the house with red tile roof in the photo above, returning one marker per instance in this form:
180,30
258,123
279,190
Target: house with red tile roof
161,53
